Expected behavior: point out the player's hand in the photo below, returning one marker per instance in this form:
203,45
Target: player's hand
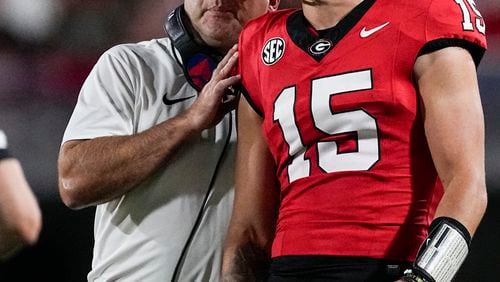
211,104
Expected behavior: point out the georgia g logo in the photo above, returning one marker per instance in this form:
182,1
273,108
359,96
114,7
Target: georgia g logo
320,47
273,51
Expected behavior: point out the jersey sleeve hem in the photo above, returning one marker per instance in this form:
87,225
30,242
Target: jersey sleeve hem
476,51
251,102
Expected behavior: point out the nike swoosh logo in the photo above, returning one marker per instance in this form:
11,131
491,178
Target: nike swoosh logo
170,102
368,32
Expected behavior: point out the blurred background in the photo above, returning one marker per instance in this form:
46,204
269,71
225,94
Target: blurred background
48,47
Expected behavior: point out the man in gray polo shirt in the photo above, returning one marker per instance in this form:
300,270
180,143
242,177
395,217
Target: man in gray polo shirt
154,154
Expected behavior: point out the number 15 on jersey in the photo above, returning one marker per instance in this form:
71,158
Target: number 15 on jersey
331,123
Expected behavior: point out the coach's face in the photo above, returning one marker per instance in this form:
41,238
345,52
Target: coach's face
219,22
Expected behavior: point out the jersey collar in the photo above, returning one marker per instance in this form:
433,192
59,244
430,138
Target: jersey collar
305,36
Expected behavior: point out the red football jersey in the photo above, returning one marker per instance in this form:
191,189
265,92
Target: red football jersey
342,119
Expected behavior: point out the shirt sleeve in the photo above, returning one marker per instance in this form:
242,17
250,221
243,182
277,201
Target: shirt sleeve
455,23
106,102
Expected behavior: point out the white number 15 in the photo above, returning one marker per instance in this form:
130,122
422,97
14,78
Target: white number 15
330,123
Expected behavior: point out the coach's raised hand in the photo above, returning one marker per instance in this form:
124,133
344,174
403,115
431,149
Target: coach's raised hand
211,105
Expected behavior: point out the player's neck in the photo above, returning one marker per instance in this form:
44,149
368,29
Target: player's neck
323,14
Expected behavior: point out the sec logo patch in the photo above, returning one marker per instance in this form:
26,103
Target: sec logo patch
273,51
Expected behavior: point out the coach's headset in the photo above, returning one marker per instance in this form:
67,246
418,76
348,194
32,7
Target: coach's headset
198,61
198,64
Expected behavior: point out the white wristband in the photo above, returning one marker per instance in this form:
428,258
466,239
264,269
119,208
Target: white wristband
444,250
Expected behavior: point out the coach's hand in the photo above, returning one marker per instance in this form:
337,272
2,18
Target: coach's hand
211,104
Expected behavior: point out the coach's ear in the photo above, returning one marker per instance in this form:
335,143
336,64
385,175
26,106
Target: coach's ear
273,5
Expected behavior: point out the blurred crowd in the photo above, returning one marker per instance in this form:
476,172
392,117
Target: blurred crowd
47,47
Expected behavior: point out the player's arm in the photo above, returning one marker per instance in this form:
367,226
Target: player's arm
454,127
98,170
20,216
252,226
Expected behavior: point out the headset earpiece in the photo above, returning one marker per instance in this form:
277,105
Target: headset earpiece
198,62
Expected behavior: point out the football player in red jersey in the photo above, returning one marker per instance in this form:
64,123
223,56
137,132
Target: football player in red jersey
360,142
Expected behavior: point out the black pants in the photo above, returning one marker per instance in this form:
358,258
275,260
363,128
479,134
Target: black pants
331,268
